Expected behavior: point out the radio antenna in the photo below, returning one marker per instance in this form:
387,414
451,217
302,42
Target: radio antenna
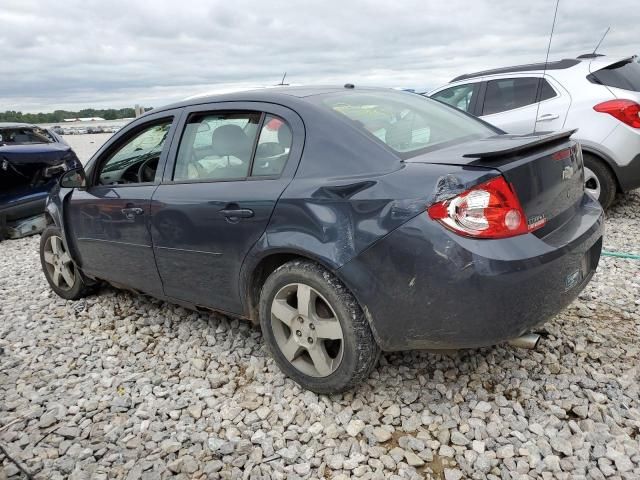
601,40
544,72
283,77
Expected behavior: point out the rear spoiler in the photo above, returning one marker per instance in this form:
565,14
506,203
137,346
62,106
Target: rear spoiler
496,146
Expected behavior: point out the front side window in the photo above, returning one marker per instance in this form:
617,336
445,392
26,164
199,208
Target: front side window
409,124
511,93
460,96
136,161
217,146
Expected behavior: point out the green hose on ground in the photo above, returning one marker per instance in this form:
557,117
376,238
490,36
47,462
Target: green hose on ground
631,256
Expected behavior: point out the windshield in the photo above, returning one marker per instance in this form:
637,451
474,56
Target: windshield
624,75
24,136
408,123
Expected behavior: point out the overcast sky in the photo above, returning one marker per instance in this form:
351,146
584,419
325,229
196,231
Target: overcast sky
114,53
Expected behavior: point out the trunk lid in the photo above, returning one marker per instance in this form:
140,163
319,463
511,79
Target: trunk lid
544,170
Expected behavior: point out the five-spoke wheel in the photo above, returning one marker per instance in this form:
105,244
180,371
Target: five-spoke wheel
307,330
59,269
317,332
58,263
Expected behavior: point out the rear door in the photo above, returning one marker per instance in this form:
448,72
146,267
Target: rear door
510,104
232,163
109,220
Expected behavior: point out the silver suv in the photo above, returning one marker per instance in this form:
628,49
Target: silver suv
597,94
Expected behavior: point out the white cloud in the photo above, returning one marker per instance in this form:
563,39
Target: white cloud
89,53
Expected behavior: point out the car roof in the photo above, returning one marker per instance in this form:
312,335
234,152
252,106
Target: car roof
16,125
532,67
284,95
595,60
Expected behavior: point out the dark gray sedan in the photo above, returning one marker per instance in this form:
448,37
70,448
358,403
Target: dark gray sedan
346,221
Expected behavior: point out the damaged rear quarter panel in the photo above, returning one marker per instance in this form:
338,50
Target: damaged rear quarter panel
332,220
339,218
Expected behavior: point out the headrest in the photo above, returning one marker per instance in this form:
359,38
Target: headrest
230,140
399,135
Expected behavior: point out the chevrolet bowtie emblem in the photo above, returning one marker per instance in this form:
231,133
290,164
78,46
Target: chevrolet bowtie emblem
567,172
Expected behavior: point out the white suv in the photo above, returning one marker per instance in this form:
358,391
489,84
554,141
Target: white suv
598,95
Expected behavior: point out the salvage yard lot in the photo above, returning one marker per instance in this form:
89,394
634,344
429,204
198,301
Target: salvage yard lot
122,386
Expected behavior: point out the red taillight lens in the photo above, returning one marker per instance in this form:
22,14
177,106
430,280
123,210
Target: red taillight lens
626,111
488,210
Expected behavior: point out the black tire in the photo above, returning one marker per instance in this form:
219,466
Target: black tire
359,350
604,178
78,287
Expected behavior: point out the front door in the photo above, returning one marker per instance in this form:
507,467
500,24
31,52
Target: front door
109,220
216,199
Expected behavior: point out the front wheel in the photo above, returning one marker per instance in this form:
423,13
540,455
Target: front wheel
62,274
315,329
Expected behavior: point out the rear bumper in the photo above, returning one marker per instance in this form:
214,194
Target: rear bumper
425,287
629,175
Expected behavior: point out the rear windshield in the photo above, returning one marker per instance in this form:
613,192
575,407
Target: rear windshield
408,123
624,75
24,136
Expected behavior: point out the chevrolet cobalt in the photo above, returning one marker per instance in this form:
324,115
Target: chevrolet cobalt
345,221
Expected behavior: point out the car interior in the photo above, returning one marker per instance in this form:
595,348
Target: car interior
23,136
137,160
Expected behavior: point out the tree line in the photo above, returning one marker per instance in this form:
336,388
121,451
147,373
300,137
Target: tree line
58,116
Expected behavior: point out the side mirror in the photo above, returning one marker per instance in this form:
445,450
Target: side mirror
74,179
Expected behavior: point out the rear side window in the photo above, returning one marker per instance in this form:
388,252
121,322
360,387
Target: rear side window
409,124
461,96
217,146
511,93
624,75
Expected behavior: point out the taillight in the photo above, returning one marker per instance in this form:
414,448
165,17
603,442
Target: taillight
488,210
627,111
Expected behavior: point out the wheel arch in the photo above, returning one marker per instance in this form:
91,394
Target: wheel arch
606,161
259,268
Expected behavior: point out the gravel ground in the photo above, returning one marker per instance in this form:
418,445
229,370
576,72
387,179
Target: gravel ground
121,386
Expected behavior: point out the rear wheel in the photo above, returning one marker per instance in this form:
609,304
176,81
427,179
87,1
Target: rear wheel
598,180
315,329
62,274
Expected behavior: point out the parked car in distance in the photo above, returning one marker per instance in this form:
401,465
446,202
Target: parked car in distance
402,223
596,94
31,161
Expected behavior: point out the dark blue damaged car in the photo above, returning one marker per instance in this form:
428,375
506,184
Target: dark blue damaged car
345,221
31,162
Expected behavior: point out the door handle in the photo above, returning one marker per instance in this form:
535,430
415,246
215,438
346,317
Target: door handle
131,212
233,213
548,117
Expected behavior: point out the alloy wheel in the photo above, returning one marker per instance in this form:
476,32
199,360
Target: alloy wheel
591,182
307,330
58,263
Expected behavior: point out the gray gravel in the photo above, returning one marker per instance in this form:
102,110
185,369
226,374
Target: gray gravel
119,386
